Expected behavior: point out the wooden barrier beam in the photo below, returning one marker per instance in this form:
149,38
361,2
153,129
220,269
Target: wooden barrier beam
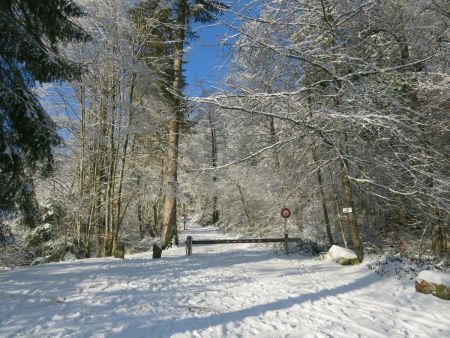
244,240
189,242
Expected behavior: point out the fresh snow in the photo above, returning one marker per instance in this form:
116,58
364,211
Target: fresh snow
336,252
229,290
435,277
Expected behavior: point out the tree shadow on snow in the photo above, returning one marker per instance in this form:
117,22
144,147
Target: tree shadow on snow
44,281
173,326
65,278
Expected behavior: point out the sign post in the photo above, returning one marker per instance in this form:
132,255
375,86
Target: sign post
347,210
286,213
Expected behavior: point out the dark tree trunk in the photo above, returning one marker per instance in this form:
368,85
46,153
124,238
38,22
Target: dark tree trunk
348,196
215,213
324,201
170,203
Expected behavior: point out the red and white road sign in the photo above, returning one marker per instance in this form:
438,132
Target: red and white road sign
285,213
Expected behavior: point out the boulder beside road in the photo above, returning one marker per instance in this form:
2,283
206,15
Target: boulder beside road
342,255
433,282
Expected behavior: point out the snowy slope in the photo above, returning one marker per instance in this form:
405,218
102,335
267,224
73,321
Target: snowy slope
242,290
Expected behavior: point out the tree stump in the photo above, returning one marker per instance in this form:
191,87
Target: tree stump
119,251
189,246
157,251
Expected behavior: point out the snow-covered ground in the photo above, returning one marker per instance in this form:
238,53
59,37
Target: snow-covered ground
237,290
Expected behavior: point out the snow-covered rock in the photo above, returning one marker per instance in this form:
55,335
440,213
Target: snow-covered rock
69,256
40,260
342,255
434,282
434,277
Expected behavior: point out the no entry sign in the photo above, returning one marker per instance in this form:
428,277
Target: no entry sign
285,213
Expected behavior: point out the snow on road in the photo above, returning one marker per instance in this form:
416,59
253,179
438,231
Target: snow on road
238,290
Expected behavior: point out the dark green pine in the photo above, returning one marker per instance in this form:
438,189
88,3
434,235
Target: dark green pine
30,35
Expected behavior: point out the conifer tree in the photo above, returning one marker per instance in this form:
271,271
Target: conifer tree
202,11
30,35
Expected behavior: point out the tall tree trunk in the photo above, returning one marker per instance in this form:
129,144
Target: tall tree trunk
157,226
244,204
348,195
118,221
324,201
274,139
100,199
272,131
170,203
330,42
94,193
215,213
338,216
321,190
140,215
140,220
110,180
437,240
156,229
79,219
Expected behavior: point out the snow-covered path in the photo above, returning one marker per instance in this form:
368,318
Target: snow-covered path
239,290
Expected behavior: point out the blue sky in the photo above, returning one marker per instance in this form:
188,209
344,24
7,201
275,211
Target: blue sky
206,59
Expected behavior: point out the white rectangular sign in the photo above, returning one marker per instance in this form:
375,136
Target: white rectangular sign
347,210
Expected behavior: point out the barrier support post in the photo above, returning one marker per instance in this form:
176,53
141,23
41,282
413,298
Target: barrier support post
286,244
189,246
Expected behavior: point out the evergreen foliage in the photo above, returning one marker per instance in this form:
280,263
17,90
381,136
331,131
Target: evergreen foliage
152,24
206,11
30,33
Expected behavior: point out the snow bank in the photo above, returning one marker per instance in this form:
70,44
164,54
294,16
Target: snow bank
336,252
403,267
434,277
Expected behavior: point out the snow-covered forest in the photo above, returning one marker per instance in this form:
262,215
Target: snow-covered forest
335,109
325,105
